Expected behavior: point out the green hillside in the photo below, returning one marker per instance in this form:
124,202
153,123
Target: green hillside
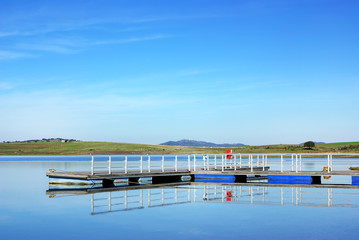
85,148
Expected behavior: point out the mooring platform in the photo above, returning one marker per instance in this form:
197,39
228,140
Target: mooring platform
204,167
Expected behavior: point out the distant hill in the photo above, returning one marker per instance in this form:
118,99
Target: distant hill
43,140
315,143
194,143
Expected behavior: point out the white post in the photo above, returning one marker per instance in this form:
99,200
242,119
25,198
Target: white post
281,162
109,164
292,162
251,162
300,162
296,162
189,162
92,164
126,164
235,162
215,161
204,162
141,164
176,164
328,162
149,163
194,162
207,157
263,161
163,163
225,161
222,163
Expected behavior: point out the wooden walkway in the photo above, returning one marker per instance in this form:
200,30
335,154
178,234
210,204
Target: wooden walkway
171,168
135,175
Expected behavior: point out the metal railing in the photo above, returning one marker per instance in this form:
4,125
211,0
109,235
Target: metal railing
294,162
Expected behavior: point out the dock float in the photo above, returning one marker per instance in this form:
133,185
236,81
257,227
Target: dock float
110,170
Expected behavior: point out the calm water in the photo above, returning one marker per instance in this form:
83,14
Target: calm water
29,211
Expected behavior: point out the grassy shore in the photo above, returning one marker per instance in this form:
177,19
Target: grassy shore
86,148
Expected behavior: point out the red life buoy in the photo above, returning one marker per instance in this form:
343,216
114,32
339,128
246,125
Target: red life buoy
228,155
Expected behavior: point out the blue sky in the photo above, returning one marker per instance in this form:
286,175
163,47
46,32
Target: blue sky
256,72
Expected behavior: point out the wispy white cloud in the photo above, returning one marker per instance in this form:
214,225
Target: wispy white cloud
72,45
6,86
47,47
9,55
129,40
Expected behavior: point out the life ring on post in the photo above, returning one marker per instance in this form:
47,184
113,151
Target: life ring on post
228,155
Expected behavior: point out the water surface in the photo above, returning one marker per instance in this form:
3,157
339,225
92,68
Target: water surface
28,211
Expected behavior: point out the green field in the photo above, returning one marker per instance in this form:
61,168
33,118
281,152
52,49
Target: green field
86,148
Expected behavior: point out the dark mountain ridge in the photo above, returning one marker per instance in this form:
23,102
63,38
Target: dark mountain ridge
194,143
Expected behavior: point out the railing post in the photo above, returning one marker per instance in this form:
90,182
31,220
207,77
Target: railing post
328,162
163,163
208,161
189,162
296,162
92,164
109,164
194,162
141,164
235,162
204,162
300,162
263,161
240,160
176,164
215,161
149,163
251,161
225,161
292,162
281,162
222,163
126,170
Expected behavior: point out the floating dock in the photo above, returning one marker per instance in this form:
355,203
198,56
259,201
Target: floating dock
115,169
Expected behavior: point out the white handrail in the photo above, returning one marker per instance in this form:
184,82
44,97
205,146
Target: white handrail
174,163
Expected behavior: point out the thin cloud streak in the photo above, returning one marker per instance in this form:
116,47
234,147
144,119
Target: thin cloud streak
70,46
11,55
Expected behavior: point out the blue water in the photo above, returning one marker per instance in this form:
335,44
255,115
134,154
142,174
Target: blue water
27,211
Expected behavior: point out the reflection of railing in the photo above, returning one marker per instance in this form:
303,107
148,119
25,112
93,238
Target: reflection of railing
137,199
196,162
226,194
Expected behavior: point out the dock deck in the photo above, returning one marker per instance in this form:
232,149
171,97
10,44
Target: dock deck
167,169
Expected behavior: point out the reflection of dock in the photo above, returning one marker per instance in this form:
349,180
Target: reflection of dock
106,200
